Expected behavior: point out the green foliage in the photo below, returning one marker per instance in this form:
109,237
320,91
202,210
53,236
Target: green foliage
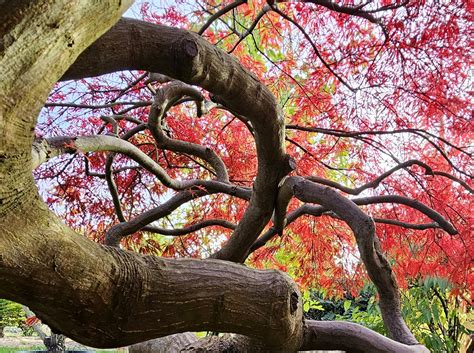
362,309
433,314
11,314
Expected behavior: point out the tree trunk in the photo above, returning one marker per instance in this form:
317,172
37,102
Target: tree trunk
102,296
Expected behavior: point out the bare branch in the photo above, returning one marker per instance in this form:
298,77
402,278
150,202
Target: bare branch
118,231
359,12
112,144
220,13
351,337
113,187
165,98
421,133
415,204
249,30
375,262
395,222
190,229
315,48
376,182
318,211
97,106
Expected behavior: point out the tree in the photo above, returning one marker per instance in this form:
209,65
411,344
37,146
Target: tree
104,296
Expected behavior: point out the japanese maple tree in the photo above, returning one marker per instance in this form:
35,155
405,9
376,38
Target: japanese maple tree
329,140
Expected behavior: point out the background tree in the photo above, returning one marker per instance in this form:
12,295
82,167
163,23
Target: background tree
341,96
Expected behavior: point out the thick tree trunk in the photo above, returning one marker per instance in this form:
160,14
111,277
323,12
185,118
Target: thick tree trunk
106,297
102,296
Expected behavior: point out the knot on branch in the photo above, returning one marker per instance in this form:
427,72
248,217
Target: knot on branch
185,50
294,300
289,165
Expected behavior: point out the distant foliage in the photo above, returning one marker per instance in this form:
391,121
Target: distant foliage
432,311
358,99
11,314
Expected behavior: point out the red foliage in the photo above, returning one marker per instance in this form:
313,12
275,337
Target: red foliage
404,83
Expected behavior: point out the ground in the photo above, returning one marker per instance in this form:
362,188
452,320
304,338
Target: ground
13,344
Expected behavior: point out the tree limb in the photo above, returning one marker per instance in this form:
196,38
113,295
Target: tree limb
352,338
118,231
220,13
191,228
165,98
189,58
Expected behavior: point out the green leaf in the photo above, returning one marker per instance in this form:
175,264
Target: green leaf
317,307
435,312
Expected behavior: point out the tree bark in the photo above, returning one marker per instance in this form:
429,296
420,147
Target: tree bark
170,344
102,296
352,338
189,58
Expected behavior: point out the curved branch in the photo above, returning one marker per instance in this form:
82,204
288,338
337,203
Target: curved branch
119,231
220,13
317,335
318,211
107,143
252,26
398,223
417,205
453,178
376,182
351,337
192,228
164,99
372,184
375,262
109,175
113,187
285,194
98,106
189,58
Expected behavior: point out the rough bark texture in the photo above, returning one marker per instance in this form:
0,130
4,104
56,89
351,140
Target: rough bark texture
186,56
352,338
170,344
102,296
109,297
